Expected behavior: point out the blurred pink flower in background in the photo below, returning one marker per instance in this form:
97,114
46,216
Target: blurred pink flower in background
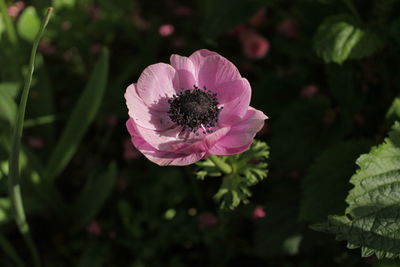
95,48
309,90
35,142
183,11
288,28
112,120
206,220
258,212
46,48
259,18
166,30
196,107
94,12
14,10
130,152
94,228
66,25
254,45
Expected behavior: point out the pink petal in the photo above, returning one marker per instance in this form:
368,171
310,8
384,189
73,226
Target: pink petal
156,84
207,141
235,109
200,55
216,70
186,71
241,135
143,115
161,158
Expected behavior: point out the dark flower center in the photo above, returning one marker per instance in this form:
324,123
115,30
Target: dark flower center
193,109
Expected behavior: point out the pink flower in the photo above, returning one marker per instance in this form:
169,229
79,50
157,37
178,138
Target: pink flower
258,212
94,228
309,90
206,220
254,45
288,28
14,10
166,30
196,107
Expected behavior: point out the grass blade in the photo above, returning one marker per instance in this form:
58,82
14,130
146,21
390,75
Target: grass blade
82,116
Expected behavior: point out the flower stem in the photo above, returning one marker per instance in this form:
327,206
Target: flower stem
14,172
223,166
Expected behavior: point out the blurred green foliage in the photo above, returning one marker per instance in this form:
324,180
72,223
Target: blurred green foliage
92,200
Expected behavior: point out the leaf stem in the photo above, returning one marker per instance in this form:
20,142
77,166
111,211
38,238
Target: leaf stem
223,166
14,173
353,10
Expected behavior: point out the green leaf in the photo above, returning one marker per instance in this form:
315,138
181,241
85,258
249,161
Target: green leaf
249,169
10,88
8,108
367,46
393,113
93,196
28,24
372,219
82,116
2,26
327,183
336,37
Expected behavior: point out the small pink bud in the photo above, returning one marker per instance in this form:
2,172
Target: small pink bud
14,10
206,220
94,228
258,212
288,28
309,90
254,45
166,30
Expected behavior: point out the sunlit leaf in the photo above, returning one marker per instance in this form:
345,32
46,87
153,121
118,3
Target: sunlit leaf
28,24
371,220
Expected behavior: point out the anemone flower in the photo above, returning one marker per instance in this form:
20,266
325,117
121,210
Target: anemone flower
195,107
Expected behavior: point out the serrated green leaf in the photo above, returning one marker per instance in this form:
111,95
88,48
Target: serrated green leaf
393,113
93,196
28,24
327,183
336,37
81,118
250,168
371,220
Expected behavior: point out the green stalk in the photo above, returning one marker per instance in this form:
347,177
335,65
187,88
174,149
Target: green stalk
14,173
10,30
223,166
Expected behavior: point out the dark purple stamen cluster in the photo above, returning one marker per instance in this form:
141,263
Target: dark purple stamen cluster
194,108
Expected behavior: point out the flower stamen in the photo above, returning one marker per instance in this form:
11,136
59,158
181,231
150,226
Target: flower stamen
195,109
